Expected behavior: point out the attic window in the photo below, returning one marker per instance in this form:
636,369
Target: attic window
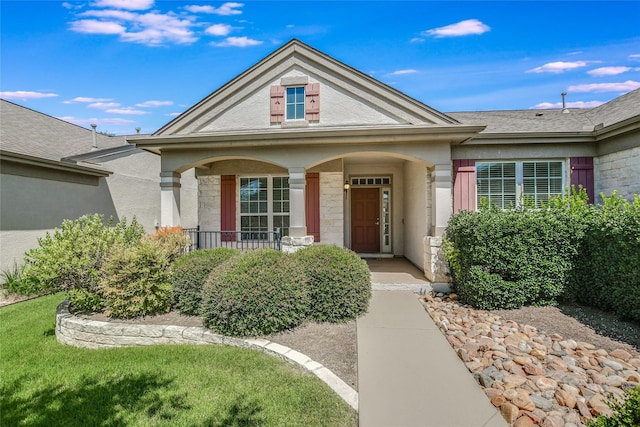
295,103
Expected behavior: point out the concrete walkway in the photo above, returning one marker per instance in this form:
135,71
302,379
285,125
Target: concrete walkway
408,374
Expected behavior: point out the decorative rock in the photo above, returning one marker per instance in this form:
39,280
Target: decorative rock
509,412
545,384
565,398
523,401
524,421
541,402
532,369
598,404
483,379
621,354
498,401
538,353
512,381
615,381
611,364
569,344
552,421
583,409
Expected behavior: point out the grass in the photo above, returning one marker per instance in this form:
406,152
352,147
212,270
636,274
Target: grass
44,383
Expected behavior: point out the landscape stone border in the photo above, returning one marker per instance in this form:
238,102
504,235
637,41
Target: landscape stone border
75,331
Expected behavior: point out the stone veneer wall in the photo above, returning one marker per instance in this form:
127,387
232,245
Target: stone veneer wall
209,202
332,208
75,331
618,171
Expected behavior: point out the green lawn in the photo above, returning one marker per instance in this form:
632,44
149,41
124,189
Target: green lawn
44,383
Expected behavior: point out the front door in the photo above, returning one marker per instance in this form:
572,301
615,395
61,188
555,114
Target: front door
365,220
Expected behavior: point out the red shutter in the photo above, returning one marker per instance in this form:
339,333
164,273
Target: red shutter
312,102
228,206
582,174
277,104
312,208
464,185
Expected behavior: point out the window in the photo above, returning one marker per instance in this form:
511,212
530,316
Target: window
295,103
264,206
506,184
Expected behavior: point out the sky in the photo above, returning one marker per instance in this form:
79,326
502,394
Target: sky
127,64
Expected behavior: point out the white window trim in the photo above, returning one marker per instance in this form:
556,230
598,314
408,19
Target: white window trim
520,175
270,213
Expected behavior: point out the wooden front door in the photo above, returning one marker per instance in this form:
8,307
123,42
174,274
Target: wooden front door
365,220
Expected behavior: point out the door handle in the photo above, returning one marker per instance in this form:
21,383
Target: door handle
377,221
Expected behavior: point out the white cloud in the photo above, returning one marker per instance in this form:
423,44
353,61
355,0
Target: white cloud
229,8
218,30
124,4
623,87
154,103
462,28
576,104
86,99
72,6
99,122
173,114
92,26
558,67
126,111
402,72
608,71
417,40
634,56
103,105
25,95
237,42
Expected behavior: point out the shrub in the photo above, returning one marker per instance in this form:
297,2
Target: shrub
71,257
136,280
625,413
85,301
190,273
606,274
173,240
12,279
507,259
255,293
338,282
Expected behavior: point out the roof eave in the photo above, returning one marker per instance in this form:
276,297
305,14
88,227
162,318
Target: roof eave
52,164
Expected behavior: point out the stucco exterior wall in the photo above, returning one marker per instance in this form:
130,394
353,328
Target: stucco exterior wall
338,108
417,220
331,208
619,171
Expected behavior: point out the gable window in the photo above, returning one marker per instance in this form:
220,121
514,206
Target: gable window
264,206
507,184
295,103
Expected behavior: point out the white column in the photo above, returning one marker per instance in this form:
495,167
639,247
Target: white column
441,197
169,199
297,217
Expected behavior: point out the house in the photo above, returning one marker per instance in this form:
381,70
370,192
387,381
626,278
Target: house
303,143
52,170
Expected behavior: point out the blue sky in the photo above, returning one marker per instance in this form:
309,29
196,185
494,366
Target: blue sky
138,63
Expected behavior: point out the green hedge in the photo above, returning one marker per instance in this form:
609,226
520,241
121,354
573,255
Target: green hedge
566,250
190,273
339,282
606,274
255,293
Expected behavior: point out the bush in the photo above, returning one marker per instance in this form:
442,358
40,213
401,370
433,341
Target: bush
507,259
136,281
606,274
190,273
255,293
338,282
173,240
12,279
71,257
625,414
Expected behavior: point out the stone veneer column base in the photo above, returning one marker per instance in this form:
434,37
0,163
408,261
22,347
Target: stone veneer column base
293,244
436,269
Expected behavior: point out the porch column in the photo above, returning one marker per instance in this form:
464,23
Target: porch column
436,268
297,238
297,221
169,199
442,198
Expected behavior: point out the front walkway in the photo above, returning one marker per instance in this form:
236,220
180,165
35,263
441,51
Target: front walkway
408,374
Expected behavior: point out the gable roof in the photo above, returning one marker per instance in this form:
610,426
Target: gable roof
298,54
29,132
